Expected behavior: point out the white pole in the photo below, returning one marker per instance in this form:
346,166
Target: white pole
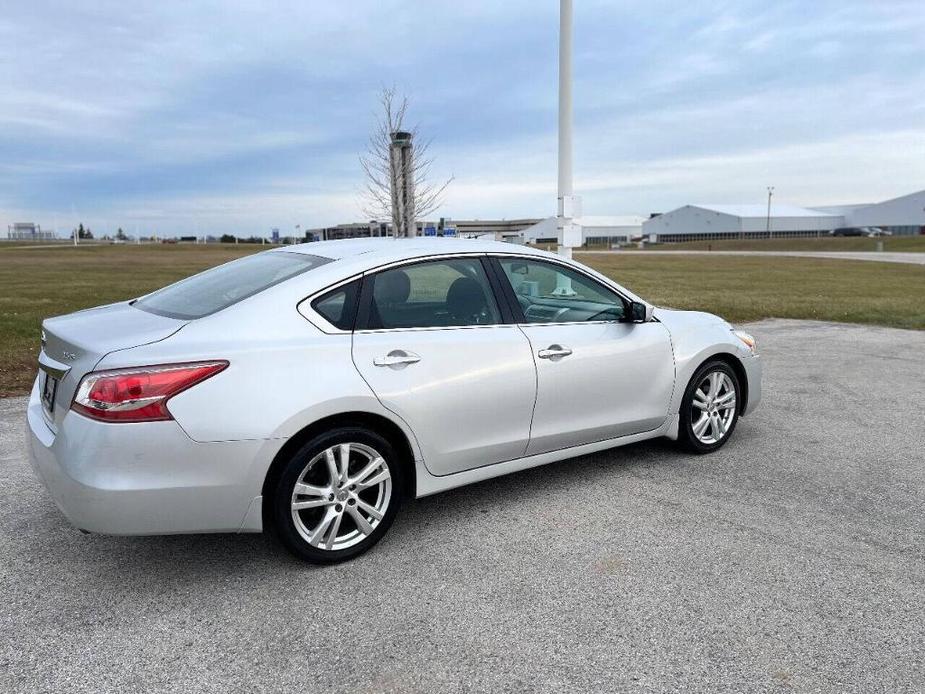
569,203
565,104
770,193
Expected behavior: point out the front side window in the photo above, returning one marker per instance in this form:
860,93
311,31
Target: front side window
550,293
222,286
439,293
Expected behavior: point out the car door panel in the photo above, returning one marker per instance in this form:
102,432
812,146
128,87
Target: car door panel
598,377
439,351
616,380
468,396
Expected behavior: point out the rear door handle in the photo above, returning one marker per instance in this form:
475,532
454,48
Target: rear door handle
397,358
554,352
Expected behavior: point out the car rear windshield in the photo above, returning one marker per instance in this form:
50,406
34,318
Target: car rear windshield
222,286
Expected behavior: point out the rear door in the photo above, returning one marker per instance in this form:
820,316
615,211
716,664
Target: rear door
597,377
436,348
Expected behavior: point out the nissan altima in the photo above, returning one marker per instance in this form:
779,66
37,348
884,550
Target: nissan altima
308,390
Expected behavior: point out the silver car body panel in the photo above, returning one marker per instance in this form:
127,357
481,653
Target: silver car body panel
617,380
289,368
450,398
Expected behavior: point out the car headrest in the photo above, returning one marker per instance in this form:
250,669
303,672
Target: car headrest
465,299
392,287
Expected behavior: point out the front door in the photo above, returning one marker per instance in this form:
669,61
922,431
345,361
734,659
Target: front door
431,343
597,378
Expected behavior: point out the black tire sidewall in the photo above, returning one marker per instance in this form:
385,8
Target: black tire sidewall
283,525
685,427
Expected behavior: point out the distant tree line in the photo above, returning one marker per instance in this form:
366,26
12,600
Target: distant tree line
82,233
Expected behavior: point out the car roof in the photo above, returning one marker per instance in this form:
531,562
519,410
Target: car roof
356,256
377,250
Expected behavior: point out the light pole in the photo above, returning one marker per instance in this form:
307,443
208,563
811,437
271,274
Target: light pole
569,204
770,193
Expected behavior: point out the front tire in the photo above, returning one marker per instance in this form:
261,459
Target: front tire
337,496
710,408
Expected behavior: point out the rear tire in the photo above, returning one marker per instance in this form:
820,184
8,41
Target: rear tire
710,408
337,496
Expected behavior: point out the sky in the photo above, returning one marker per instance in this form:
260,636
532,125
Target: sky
237,117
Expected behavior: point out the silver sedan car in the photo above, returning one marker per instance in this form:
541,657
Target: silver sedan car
308,390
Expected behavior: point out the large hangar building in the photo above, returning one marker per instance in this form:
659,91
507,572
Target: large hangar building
713,222
904,215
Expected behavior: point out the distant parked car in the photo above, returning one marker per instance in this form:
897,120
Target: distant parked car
861,231
308,390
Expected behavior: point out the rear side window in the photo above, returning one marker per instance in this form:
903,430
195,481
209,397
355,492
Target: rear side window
339,306
222,286
434,294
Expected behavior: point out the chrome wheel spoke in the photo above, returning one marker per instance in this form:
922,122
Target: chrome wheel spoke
701,424
373,481
362,524
333,472
318,534
371,510
303,489
367,471
716,379
716,427
335,526
344,463
311,503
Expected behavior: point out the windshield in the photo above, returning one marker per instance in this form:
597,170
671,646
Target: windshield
222,286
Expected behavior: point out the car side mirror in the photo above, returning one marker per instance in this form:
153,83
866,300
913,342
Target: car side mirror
639,312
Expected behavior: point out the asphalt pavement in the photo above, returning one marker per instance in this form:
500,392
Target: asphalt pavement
793,560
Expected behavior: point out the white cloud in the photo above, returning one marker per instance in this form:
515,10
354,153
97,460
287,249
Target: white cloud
239,117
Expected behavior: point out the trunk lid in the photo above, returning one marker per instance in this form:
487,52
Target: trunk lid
73,345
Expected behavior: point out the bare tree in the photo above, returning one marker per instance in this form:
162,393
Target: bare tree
379,166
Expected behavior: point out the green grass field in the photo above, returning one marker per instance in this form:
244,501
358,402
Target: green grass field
41,281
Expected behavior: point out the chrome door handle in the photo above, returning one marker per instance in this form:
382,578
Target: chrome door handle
397,357
554,352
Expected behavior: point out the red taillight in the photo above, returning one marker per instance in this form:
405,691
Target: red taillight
138,394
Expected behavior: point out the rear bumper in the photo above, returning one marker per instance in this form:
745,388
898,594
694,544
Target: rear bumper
753,370
145,479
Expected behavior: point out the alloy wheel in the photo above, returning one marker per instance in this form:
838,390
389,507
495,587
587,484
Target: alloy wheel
713,408
341,496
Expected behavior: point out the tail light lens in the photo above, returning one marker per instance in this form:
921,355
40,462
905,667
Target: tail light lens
138,394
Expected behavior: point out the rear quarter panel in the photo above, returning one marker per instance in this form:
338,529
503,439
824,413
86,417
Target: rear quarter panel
283,372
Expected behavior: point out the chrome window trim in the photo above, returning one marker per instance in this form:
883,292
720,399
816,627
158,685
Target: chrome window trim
324,326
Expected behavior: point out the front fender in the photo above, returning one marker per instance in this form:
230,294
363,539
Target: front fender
695,338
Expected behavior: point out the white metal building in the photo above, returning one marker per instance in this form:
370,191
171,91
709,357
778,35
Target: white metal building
709,222
595,230
28,231
902,215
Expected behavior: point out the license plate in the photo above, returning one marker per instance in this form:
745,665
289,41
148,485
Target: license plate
49,388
